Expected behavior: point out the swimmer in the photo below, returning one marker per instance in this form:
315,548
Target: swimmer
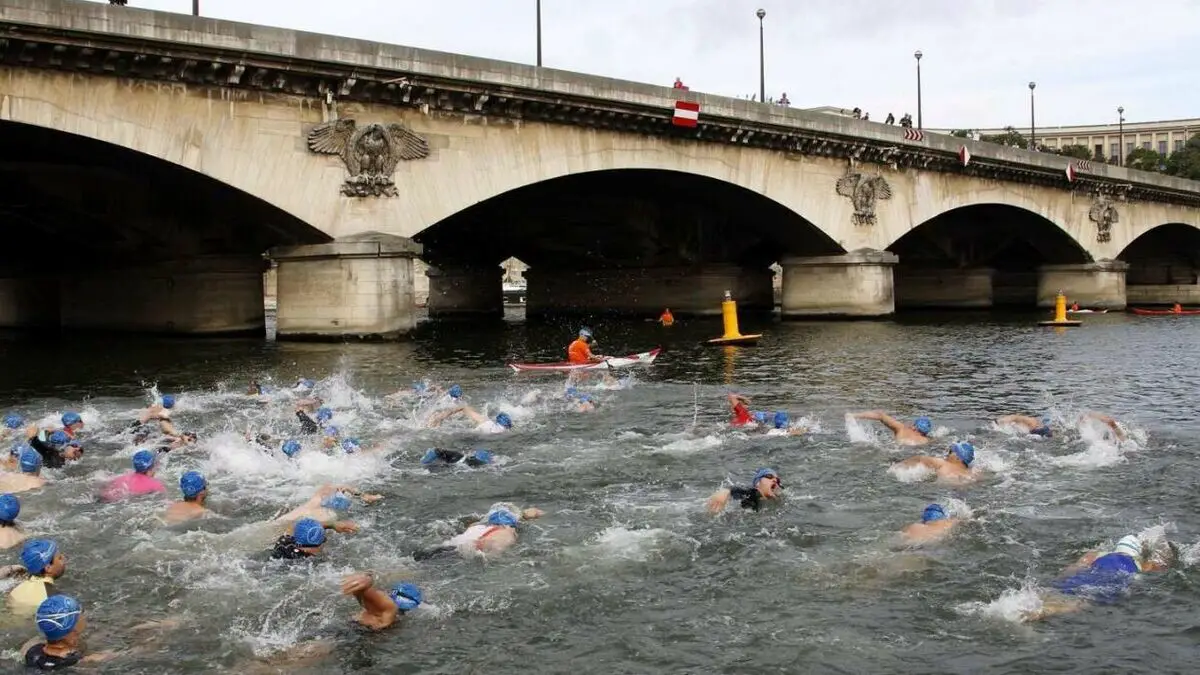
954,468
1030,425
934,525
140,481
309,426
419,390
380,608
740,410
72,424
500,424
1107,421
30,477
55,448
43,564
917,434
12,461
1103,577
159,413
580,402
782,427
324,506
492,535
305,541
61,620
184,440
12,427
475,459
329,437
303,386
195,491
765,486
290,448
11,534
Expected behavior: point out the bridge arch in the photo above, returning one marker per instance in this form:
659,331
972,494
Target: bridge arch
1164,265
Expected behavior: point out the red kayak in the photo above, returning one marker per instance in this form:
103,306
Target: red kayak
1163,312
619,362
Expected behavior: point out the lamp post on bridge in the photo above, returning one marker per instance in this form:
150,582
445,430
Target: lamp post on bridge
195,7
539,33
1032,128
762,63
918,56
1121,135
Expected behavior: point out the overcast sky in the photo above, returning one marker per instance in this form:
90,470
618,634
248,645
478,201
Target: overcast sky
1087,56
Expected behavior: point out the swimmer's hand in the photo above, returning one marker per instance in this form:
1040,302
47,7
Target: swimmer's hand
345,527
532,513
717,502
100,657
356,583
370,499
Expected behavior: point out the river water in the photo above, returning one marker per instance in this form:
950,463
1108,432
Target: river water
626,573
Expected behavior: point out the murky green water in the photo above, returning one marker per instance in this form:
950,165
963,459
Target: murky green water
626,574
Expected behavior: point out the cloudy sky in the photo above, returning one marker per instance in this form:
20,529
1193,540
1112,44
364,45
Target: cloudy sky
1087,56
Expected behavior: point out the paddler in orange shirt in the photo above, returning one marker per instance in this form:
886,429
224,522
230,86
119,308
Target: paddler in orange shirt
667,319
580,352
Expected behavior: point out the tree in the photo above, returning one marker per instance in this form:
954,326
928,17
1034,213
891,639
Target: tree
1010,137
1144,159
1185,163
965,133
1076,151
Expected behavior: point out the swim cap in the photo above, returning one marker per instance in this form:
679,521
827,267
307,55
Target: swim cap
70,418
308,532
324,414
760,416
304,383
168,401
964,451
781,420
10,507
763,473
332,431
572,392
504,420
584,332
350,445
192,484
13,421
143,461
429,457
585,398
290,448
933,512
1130,545
337,501
502,517
57,616
30,460
483,456
455,391
37,554
59,437
1046,420
924,425
406,596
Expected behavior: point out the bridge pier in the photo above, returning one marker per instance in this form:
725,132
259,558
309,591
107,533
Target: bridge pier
944,288
29,303
359,286
687,291
211,295
457,291
857,284
1099,284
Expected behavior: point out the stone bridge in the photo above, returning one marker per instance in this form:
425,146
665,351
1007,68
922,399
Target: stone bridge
160,155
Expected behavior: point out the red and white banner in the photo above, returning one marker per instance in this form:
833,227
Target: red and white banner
911,134
1070,173
687,114
964,155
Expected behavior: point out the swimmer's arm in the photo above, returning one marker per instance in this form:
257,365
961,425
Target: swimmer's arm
437,418
532,513
1083,563
100,657
1112,424
1023,420
883,418
921,460
13,571
474,414
717,502
343,527
735,399
373,600
165,426
797,431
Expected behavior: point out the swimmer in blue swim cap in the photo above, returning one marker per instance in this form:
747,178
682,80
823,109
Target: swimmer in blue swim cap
500,424
56,448
1030,425
781,426
954,468
30,477
195,491
490,535
305,541
290,448
917,434
440,457
1104,576
44,564
11,534
935,524
325,508
381,607
60,619
765,486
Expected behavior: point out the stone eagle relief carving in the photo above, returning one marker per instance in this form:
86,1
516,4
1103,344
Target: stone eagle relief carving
1104,214
863,192
370,153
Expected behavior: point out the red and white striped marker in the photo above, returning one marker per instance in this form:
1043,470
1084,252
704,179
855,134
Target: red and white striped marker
964,155
911,134
687,114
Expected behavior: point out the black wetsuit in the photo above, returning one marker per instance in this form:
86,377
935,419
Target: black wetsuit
454,457
286,548
749,498
36,657
308,426
52,458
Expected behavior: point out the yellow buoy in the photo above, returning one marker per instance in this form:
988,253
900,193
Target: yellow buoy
732,335
1060,313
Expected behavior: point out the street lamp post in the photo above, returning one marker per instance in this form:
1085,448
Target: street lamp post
195,7
762,63
1121,135
539,33
1032,128
918,56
